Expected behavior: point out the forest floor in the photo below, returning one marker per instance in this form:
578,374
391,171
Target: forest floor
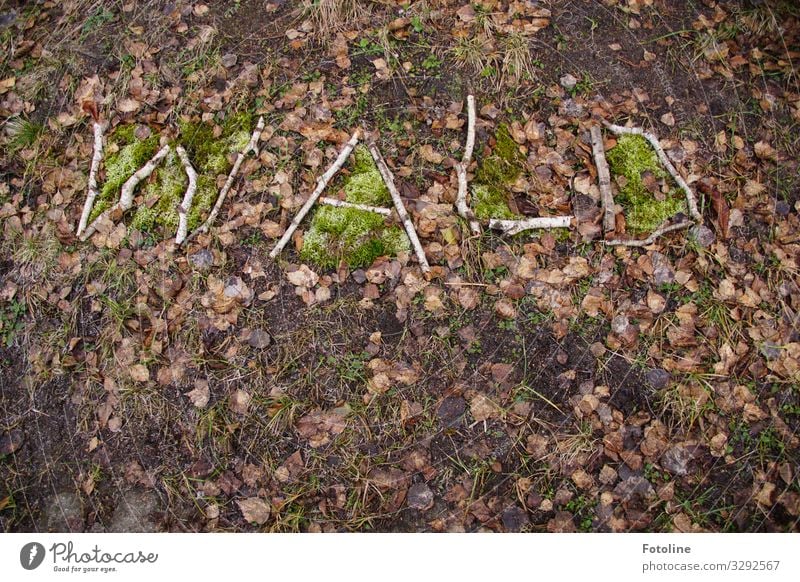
541,382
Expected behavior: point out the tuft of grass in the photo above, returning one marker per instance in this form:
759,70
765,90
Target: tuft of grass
23,133
332,16
476,54
517,62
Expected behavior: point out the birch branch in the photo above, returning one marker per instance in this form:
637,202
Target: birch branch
128,188
252,146
662,156
186,204
603,178
511,227
345,204
321,184
461,170
388,178
92,193
650,239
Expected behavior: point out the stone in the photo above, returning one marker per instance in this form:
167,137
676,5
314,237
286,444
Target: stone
420,497
676,460
568,82
515,519
133,512
663,273
259,339
703,235
658,378
202,259
633,487
63,514
451,410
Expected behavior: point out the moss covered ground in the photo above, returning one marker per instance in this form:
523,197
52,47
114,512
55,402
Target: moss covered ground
495,173
209,148
633,158
354,236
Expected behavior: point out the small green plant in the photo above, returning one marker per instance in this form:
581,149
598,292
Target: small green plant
97,19
11,321
582,508
416,24
431,63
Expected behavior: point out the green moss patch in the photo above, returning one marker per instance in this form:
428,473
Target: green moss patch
131,155
356,237
633,158
495,174
209,148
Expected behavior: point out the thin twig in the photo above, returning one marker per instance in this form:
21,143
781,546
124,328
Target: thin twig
461,170
126,194
92,193
603,179
653,236
186,204
388,178
344,204
252,146
662,156
511,227
321,184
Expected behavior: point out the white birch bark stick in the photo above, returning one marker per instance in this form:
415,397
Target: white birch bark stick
461,170
510,227
321,184
252,146
388,178
603,179
128,188
186,204
345,204
653,236
92,192
662,156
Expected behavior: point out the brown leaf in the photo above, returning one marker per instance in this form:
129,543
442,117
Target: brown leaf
722,209
90,107
254,510
239,402
200,395
128,105
139,373
482,408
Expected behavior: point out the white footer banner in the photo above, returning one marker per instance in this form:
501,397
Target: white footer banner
354,557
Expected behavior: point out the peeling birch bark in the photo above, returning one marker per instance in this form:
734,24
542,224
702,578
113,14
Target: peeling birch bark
252,146
653,236
321,184
388,178
186,204
511,227
345,204
662,156
128,188
461,170
603,178
91,195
